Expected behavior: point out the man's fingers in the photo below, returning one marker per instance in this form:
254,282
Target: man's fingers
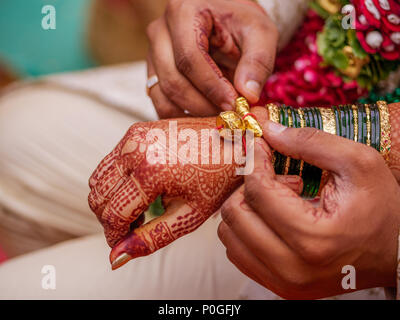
173,84
190,38
164,107
253,231
241,256
178,220
258,44
277,204
323,150
293,182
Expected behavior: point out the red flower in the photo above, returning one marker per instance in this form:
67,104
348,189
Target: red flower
301,80
378,26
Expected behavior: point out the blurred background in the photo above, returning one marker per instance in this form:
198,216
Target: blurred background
88,33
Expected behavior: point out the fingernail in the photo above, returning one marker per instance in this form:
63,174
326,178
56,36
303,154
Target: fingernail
120,261
226,106
275,128
254,87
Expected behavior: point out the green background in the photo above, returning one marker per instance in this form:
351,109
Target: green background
29,50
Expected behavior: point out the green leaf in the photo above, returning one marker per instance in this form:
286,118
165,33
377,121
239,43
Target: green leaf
339,60
157,208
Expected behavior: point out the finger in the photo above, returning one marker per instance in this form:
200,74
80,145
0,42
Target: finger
127,204
173,84
245,261
252,230
105,164
258,42
178,220
106,187
295,183
326,151
164,107
192,58
291,217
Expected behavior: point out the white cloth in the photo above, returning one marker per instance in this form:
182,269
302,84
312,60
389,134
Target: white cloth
52,135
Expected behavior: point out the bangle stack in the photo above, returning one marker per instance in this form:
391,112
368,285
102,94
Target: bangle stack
367,124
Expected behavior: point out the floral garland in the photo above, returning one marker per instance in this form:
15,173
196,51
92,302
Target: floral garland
326,64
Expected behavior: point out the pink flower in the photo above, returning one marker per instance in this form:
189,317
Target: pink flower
301,80
378,27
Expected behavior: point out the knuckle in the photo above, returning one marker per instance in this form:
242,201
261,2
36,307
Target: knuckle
252,189
260,62
151,30
305,136
212,92
295,284
228,210
172,7
315,252
366,159
171,86
221,231
183,61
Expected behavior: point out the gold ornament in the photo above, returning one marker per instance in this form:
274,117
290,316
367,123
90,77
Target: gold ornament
328,120
229,122
332,6
355,116
385,129
243,109
355,64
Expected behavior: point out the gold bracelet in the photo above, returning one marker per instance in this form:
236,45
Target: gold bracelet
368,113
355,123
328,120
288,159
273,112
385,129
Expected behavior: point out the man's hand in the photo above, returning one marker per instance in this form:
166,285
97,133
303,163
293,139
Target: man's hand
200,47
298,250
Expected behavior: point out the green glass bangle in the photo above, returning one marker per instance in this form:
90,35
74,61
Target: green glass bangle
317,172
347,116
309,122
377,128
337,120
294,168
351,121
364,125
343,122
373,125
280,159
309,170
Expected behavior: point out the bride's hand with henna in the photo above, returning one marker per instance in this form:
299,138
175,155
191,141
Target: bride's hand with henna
205,51
127,181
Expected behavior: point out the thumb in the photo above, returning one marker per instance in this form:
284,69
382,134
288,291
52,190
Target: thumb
318,148
257,61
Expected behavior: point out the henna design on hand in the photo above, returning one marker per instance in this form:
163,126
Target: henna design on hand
125,183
